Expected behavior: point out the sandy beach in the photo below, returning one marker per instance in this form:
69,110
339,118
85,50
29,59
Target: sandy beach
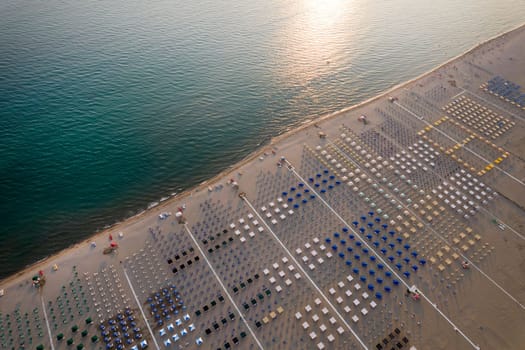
395,223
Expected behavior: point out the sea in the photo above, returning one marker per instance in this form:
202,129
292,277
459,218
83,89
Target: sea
108,107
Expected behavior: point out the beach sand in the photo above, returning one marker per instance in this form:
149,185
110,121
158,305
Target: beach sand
277,261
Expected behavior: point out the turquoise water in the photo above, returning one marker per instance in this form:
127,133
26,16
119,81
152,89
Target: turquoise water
108,106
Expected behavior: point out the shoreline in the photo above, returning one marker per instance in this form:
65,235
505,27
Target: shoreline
253,155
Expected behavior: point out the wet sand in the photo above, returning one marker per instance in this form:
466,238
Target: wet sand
318,240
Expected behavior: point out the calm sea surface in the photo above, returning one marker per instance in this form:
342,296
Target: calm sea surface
107,105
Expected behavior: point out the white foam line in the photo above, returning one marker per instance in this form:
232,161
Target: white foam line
443,239
456,328
141,310
495,105
223,287
47,323
299,266
462,145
